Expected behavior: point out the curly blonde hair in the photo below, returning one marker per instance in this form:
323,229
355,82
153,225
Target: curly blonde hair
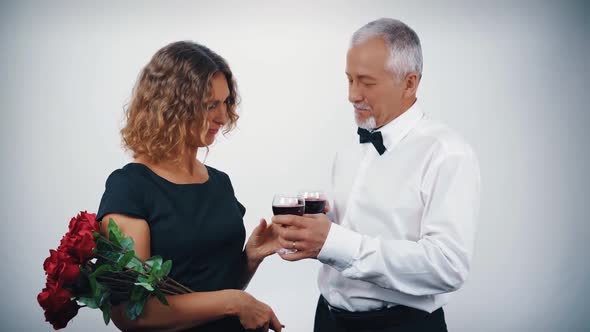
167,111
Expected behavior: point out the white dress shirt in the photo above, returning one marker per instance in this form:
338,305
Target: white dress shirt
404,222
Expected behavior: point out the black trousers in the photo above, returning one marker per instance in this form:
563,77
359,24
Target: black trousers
396,319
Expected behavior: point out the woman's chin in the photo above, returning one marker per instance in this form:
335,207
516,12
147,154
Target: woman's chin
209,140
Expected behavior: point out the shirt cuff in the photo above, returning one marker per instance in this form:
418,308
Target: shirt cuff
341,247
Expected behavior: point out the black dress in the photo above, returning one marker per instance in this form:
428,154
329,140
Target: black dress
198,226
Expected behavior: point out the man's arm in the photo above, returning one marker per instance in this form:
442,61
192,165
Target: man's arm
437,263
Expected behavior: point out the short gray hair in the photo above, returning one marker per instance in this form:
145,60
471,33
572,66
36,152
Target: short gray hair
404,45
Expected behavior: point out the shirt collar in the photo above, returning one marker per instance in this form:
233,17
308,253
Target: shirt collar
394,131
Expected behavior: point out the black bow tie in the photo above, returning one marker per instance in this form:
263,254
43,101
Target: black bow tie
375,137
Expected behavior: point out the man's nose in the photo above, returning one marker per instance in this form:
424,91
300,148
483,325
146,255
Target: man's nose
354,95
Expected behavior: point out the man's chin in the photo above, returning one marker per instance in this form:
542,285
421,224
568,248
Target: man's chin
368,123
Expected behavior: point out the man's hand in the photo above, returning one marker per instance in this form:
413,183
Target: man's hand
307,234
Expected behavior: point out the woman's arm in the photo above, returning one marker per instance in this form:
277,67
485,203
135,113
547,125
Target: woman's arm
263,242
186,310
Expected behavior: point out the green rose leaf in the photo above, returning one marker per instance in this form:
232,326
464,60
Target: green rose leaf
166,267
137,300
145,285
161,297
155,262
105,306
136,265
102,269
106,314
127,243
115,234
89,301
125,259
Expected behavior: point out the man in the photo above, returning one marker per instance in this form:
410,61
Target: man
405,200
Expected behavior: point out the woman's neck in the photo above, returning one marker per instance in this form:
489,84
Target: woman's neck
188,166
187,169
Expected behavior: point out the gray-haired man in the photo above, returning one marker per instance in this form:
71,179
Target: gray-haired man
405,200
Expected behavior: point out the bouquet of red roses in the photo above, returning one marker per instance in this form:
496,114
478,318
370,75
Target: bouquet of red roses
91,270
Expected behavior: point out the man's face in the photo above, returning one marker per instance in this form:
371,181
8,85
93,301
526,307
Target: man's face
372,89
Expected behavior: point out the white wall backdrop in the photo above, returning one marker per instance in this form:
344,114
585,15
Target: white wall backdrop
512,77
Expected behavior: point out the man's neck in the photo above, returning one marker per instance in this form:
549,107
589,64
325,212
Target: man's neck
406,105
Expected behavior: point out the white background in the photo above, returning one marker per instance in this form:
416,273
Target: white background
511,77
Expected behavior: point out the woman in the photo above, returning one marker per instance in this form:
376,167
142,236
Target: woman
174,206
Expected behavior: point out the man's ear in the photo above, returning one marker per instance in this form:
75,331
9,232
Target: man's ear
411,82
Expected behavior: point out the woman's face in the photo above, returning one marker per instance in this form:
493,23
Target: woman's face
216,107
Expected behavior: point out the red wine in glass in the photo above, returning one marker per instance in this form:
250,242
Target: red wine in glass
314,205
288,204
297,210
315,201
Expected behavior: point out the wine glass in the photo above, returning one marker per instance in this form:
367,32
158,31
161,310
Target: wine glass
288,204
315,201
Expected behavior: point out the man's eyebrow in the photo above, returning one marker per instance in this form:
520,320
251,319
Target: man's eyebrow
366,77
363,77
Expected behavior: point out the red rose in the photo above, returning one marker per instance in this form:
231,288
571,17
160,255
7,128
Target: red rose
51,264
84,221
53,297
44,297
58,305
60,319
61,267
79,245
62,242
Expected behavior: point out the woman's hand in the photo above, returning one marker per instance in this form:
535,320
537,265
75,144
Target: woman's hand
263,242
255,315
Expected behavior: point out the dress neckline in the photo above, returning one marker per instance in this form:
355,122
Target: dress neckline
170,182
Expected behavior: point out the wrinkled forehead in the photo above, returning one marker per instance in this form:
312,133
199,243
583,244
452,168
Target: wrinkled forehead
368,58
